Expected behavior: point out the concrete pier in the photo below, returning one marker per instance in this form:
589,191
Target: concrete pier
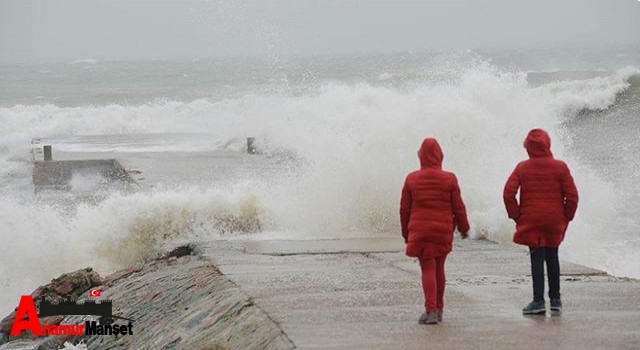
365,294
58,175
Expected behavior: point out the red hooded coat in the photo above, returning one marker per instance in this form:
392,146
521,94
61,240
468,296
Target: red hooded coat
431,206
548,195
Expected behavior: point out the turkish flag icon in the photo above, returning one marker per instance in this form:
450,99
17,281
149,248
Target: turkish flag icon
94,293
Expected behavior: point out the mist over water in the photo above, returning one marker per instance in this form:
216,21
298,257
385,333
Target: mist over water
347,129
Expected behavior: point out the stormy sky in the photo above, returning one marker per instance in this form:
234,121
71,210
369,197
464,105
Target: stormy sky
48,30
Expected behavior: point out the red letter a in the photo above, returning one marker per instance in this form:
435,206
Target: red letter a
26,309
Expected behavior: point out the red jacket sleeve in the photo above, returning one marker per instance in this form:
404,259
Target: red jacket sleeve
459,210
405,210
509,195
570,193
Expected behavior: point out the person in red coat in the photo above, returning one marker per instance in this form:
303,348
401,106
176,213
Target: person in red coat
430,210
548,201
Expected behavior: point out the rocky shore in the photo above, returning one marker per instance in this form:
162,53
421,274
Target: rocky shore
179,301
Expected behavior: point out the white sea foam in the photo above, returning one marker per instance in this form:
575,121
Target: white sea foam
85,61
357,143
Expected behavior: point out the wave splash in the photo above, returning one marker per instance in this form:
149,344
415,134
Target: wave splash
356,143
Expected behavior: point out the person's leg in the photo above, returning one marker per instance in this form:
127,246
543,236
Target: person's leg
537,273
428,267
553,272
536,307
442,282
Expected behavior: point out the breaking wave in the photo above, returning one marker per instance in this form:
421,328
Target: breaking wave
356,142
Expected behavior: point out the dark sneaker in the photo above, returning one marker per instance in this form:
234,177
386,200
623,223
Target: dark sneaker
429,318
534,308
555,305
440,316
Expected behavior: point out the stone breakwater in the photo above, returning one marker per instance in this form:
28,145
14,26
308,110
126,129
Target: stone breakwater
176,302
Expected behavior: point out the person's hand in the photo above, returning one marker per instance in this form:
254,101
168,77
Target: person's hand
464,235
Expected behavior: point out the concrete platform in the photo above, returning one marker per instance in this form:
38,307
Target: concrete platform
365,294
171,159
60,174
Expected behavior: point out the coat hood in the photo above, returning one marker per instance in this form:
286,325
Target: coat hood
538,143
430,153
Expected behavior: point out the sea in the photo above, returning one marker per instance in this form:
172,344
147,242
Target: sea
344,127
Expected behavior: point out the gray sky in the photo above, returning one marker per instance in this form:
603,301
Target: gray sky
52,30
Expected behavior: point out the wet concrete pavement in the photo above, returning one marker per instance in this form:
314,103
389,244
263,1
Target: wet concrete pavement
365,294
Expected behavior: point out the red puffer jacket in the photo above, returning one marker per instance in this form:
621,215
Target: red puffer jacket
548,196
431,206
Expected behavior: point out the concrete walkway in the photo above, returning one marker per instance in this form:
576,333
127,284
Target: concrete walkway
365,294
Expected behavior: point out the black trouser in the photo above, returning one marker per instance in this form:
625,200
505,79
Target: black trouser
538,257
